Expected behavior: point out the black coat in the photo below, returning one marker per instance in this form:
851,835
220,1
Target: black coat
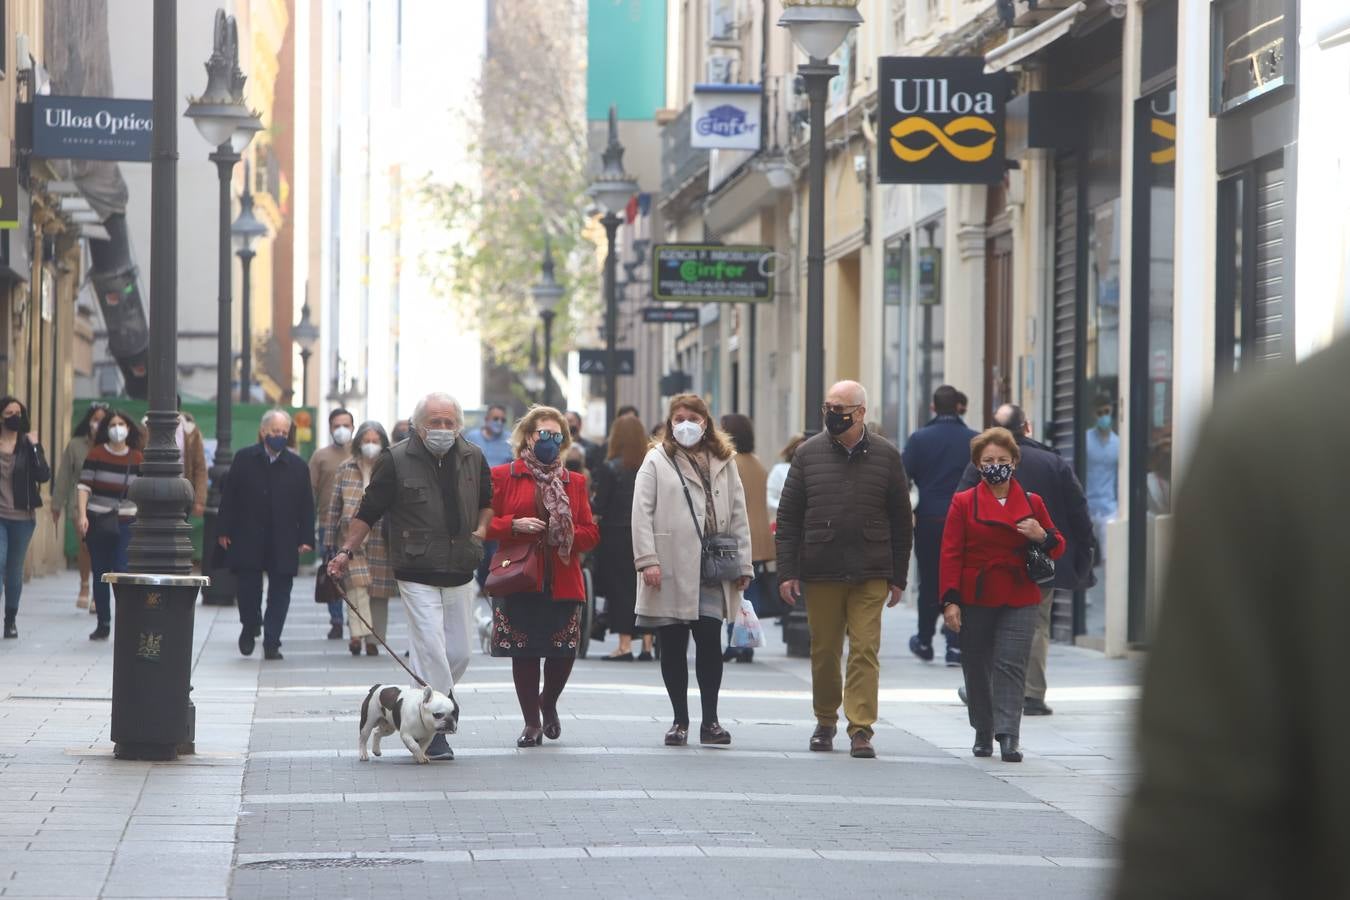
267,512
934,458
1043,471
30,470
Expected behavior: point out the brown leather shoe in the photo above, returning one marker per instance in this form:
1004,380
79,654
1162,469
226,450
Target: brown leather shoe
822,739
677,736
862,747
714,734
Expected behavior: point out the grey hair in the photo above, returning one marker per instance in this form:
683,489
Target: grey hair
420,411
363,430
272,414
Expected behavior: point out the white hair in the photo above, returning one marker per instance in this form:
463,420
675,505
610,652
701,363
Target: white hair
420,411
857,390
272,414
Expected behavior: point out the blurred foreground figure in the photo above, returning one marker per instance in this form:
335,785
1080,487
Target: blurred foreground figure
1243,728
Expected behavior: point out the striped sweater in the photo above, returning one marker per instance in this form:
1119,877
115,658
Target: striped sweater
108,478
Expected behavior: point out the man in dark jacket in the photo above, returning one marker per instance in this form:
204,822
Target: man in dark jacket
845,528
266,521
934,458
1043,471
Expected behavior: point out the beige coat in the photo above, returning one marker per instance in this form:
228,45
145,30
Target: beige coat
755,480
664,533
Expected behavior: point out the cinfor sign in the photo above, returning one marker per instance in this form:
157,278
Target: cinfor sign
942,121
712,273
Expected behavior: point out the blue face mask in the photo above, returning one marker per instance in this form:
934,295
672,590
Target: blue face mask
546,451
1104,422
275,442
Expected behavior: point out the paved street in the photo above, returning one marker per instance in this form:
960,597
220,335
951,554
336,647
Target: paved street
275,803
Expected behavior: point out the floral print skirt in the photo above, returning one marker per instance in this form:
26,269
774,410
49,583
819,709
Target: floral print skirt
535,625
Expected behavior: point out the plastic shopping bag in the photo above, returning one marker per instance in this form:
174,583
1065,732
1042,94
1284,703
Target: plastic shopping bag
747,633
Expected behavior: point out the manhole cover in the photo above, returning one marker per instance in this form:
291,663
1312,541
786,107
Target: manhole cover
335,862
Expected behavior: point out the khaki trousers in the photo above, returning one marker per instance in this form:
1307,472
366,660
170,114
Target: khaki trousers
1040,647
374,610
833,609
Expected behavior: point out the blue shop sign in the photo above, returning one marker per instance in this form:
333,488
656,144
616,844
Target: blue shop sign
92,128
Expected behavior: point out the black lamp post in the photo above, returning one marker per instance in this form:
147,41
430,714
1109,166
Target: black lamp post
306,336
818,29
227,125
547,295
245,228
612,190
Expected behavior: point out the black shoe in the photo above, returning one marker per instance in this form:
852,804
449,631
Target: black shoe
439,749
822,739
730,653
530,736
920,649
961,692
953,657
645,656
619,657
246,640
714,734
746,655
335,631
272,653
1008,749
984,745
11,631
1033,707
100,633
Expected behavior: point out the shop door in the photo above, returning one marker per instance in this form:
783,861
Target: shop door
997,323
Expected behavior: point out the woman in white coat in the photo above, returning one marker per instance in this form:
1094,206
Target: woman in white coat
687,489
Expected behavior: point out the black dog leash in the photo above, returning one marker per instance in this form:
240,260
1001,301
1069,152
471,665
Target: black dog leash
342,592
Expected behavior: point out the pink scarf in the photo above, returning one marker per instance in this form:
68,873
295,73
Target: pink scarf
553,495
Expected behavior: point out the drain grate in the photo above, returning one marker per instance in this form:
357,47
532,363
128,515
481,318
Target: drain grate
334,862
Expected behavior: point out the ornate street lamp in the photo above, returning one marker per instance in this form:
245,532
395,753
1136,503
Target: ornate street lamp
611,190
547,295
228,126
306,336
246,229
818,27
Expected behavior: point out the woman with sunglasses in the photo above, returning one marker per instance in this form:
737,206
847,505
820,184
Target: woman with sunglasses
536,499
63,486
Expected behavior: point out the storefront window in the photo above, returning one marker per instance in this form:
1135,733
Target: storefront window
894,346
929,322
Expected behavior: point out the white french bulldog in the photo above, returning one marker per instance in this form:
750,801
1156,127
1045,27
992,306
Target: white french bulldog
417,715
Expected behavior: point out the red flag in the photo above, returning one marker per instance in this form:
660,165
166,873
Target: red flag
630,213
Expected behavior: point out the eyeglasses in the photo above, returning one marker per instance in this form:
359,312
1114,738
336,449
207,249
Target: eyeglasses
840,408
99,404
554,436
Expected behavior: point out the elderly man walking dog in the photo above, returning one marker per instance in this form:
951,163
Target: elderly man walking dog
435,492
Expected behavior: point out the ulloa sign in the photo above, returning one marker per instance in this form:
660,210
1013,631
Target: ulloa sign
92,128
941,121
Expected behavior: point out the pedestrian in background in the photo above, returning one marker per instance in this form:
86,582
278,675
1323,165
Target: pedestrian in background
1045,473
754,481
688,492
266,522
492,439
105,511
402,430
612,507
435,491
323,467
986,591
370,582
844,533
1101,447
64,491
23,466
934,459
773,488
193,450
536,499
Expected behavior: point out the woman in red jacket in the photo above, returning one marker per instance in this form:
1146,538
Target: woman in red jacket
986,592
536,499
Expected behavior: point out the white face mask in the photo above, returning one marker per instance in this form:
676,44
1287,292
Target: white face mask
687,434
117,433
341,435
189,427
370,451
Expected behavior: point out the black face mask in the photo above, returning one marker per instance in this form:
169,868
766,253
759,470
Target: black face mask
836,423
14,423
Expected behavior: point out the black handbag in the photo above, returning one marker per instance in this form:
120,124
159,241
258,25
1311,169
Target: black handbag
326,590
105,527
720,559
1040,567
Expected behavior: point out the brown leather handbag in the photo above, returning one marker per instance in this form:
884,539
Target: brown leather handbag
517,568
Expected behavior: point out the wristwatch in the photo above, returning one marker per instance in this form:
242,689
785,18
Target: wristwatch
343,551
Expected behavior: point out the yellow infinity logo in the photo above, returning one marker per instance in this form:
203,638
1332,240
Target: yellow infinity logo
1168,132
943,137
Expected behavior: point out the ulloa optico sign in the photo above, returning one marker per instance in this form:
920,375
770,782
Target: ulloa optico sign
92,128
941,121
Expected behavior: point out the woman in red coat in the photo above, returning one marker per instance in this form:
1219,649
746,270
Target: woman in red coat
986,592
536,499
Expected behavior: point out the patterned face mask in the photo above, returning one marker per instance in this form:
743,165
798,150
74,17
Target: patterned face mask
996,473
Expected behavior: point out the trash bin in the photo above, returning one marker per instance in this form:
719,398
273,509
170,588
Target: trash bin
152,715
796,633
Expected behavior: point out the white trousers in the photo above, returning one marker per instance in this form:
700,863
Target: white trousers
438,630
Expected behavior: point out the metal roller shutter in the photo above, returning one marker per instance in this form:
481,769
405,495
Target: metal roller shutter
1064,319
1269,321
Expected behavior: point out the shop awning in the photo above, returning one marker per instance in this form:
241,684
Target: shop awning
1033,39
